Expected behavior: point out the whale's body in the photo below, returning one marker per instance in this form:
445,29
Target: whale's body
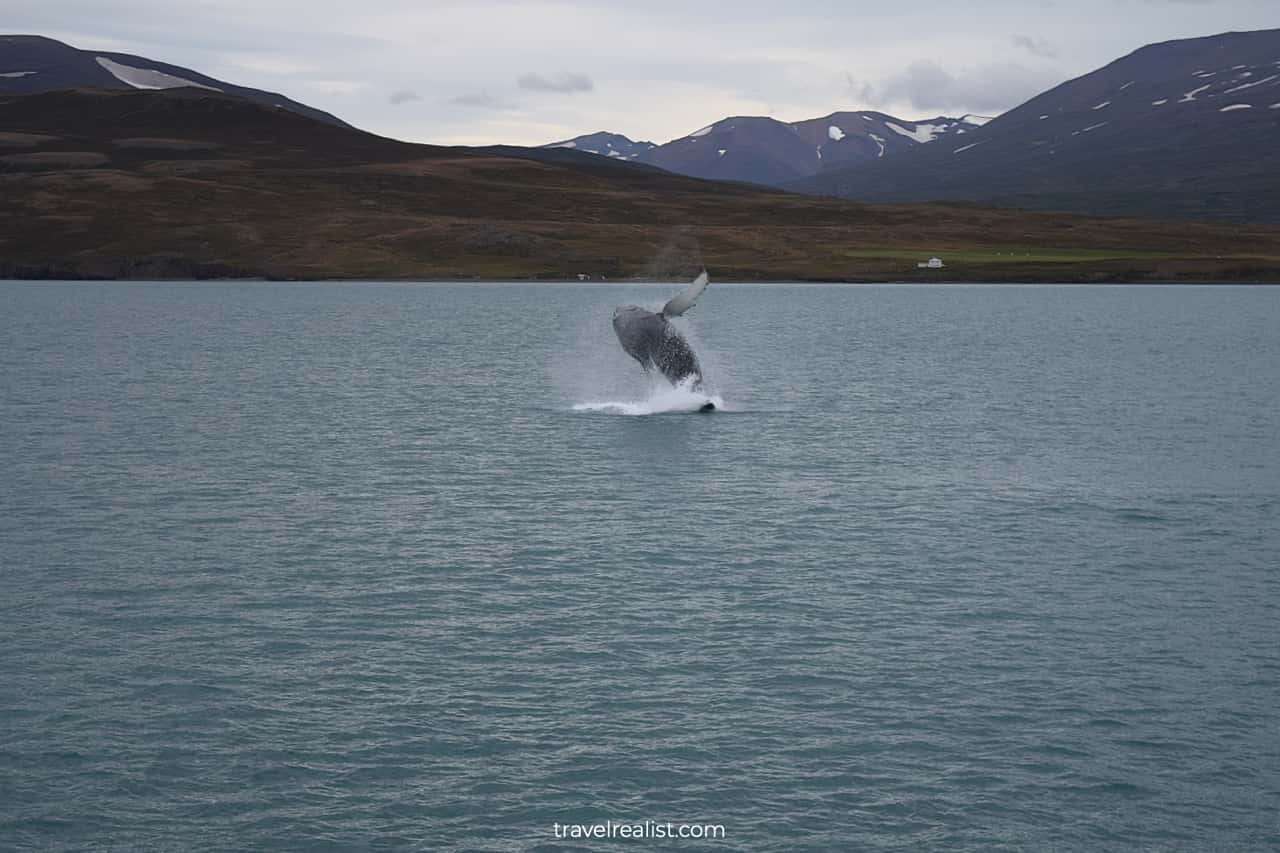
650,339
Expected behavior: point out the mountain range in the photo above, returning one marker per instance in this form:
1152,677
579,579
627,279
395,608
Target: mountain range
1187,128
763,150
606,145
191,182
33,64
1184,128
159,171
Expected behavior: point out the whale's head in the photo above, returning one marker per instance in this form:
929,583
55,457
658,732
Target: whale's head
635,318
633,312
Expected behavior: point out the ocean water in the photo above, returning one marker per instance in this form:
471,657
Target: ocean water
431,567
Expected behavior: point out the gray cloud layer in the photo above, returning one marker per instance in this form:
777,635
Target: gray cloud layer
986,89
485,70
1035,46
483,100
565,83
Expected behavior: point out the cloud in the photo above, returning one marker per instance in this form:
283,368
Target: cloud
926,86
403,96
565,82
667,65
334,87
1035,46
484,101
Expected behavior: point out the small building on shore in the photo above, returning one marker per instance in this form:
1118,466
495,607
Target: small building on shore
931,264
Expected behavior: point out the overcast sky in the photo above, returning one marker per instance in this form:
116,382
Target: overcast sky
483,71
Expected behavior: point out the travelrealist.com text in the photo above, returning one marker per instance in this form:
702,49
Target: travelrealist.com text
640,829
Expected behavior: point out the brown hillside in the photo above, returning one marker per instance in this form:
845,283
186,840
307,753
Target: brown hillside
192,183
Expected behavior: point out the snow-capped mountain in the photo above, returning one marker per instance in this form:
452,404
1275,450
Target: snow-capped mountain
34,64
1180,128
606,145
767,151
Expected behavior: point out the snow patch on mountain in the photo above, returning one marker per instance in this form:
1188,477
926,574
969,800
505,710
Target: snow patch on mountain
145,78
1231,107
923,132
1251,85
1103,104
1191,96
703,132
965,147
835,133
879,140
17,74
1160,102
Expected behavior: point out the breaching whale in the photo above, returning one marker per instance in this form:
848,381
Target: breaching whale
651,340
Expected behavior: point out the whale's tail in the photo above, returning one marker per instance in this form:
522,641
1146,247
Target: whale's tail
684,300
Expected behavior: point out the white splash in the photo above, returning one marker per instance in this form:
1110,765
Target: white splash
663,399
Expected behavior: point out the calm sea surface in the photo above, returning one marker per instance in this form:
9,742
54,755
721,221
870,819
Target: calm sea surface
341,566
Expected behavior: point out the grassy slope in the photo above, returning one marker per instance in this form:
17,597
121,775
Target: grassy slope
250,191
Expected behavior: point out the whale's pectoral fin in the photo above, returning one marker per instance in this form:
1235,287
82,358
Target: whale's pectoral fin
684,301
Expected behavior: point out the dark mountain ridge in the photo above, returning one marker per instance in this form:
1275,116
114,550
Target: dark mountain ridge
1185,128
764,150
606,145
33,64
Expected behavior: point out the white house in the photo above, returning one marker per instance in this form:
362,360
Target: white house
932,264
